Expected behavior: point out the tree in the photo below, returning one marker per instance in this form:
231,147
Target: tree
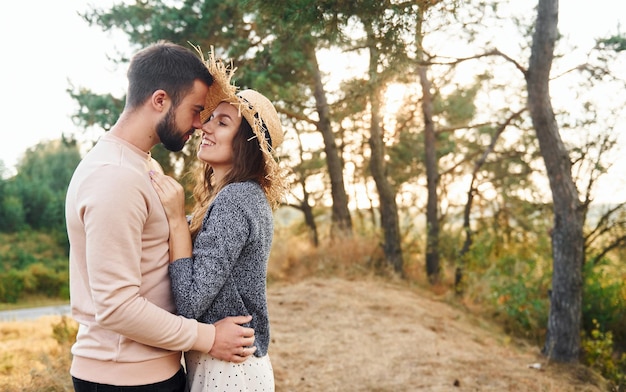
12,217
35,197
433,269
272,45
203,23
276,48
376,30
41,182
300,30
341,219
564,322
471,193
303,170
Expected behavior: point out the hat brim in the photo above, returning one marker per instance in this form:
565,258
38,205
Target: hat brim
253,106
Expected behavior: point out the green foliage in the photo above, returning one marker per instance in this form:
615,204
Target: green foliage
39,205
616,43
12,216
458,108
205,23
35,196
33,263
604,300
510,275
519,296
598,353
49,165
100,110
406,157
36,279
11,286
515,266
41,279
481,253
17,258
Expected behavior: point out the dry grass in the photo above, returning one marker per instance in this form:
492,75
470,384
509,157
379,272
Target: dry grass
34,358
338,327
333,334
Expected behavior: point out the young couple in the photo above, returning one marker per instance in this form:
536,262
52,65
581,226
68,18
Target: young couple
146,282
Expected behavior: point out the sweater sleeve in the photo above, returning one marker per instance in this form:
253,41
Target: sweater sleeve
196,281
114,207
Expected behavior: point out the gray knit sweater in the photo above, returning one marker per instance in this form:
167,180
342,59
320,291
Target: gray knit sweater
227,274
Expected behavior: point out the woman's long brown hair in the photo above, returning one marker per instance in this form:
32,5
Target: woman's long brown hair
248,164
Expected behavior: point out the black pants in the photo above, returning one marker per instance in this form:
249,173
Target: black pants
175,384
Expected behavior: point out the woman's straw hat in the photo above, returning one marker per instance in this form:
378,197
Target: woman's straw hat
253,106
260,114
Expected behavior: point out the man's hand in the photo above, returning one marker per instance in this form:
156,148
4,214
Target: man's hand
232,341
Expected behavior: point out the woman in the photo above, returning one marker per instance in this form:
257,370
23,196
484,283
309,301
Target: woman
231,228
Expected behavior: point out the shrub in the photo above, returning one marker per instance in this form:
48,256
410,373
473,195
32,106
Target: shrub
604,301
64,332
519,296
18,258
598,353
44,280
12,216
11,286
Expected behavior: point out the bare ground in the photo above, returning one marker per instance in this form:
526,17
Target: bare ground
346,335
372,335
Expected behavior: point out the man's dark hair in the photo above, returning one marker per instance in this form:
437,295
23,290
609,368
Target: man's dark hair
166,66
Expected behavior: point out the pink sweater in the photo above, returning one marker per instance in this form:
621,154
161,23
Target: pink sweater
119,285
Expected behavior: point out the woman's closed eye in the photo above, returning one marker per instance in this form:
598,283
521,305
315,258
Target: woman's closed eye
219,122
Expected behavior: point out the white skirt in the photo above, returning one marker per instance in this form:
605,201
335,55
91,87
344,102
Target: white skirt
205,373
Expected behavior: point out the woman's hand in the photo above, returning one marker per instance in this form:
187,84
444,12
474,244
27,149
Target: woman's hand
171,194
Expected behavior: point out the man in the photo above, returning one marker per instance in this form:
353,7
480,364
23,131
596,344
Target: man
129,335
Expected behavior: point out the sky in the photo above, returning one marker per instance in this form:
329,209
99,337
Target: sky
47,48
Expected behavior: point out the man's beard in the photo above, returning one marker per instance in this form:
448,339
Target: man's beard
170,136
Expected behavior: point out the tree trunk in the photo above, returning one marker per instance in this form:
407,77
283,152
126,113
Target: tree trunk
341,221
309,218
305,205
433,268
386,193
564,321
387,197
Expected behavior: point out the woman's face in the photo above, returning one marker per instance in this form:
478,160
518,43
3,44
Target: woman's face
216,146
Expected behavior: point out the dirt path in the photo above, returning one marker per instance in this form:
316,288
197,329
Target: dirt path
338,335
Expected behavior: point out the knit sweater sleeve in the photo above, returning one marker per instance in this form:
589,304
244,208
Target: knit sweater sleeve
114,207
197,281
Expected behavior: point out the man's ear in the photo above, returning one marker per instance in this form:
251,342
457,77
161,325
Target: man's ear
160,100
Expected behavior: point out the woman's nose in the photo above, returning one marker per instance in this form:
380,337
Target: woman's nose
206,127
